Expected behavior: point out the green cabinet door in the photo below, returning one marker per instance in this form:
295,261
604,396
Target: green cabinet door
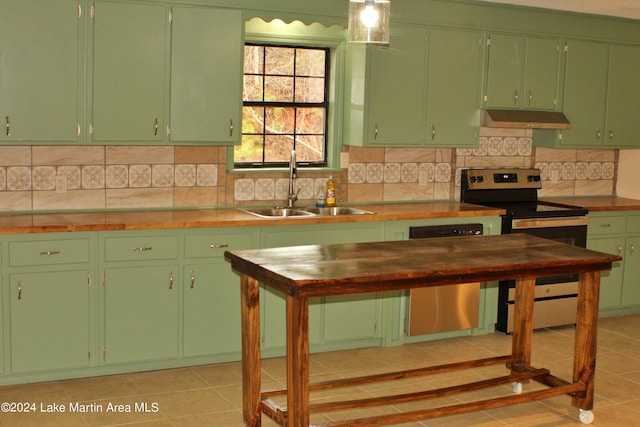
623,126
211,309
631,288
505,71
206,75
40,77
141,313
585,93
523,72
49,320
611,280
454,87
129,72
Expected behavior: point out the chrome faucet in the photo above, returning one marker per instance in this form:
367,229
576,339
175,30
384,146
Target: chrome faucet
292,196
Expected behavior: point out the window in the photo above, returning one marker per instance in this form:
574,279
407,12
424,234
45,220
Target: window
285,106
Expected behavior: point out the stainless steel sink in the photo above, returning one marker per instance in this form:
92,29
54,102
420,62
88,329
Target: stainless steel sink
338,210
277,212
305,212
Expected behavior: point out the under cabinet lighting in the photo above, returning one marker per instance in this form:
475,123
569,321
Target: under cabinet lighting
369,21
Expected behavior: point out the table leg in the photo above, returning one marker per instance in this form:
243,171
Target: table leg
297,361
250,314
523,320
584,362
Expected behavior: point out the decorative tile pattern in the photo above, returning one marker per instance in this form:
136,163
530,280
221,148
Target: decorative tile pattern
73,175
93,177
409,172
162,175
139,176
244,189
392,172
185,175
43,178
357,173
18,178
207,175
375,172
117,176
265,189
443,172
3,178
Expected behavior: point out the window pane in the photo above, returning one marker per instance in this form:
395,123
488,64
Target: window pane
279,61
253,88
279,120
253,120
278,89
309,90
277,148
310,121
310,148
253,59
310,62
250,150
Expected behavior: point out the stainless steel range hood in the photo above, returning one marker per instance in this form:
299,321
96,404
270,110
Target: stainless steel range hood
524,119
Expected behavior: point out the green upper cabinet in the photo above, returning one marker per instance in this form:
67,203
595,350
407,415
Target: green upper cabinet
40,71
206,75
523,72
585,93
622,125
386,90
129,72
454,87
599,97
422,90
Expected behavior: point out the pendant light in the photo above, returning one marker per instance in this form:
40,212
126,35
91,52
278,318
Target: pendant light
369,21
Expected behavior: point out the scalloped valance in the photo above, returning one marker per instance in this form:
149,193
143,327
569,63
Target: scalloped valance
292,17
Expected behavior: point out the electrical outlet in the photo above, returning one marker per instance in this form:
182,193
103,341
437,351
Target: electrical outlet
61,184
344,160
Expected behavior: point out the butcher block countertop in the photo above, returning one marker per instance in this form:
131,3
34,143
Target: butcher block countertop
599,203
22,223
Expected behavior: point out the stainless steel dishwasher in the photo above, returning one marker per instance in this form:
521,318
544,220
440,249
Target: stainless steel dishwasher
443,308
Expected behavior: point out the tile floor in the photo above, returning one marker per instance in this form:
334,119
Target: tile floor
212,396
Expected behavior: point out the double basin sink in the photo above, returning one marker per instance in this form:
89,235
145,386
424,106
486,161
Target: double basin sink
305,212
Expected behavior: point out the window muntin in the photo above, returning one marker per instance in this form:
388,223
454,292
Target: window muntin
285,106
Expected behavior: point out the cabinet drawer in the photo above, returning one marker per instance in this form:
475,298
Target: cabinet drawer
214,245
48,252
607,225
633,224
141,248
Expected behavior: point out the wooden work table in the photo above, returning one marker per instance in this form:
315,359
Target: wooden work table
308,271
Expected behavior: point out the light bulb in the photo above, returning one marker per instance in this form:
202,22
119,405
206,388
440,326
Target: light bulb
369,16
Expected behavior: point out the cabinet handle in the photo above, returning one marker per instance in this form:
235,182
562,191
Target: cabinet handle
219,245
155,127
8,125
433,131
610,135
619,248
143,249
530,97
516,97
193,279
56,252
598,134
632,248
19,289
171,280
230,127
375,131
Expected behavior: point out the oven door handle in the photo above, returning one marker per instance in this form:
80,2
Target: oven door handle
573,221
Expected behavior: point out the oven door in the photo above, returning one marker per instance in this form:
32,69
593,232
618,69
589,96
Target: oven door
570,230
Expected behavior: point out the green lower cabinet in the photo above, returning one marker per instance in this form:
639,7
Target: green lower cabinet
351,317
610,281
141,313
631,288
49,320
211,310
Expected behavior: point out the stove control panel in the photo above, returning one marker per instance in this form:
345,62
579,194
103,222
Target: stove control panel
501,178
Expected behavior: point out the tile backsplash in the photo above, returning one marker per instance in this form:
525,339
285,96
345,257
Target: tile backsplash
96,177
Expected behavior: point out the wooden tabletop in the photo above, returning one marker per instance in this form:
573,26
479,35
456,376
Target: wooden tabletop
317,270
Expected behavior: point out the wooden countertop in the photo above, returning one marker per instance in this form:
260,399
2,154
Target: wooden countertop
599,203
316,270
11,223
